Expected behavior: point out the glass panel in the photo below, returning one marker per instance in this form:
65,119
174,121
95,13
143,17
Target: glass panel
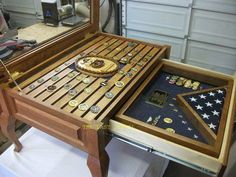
26,24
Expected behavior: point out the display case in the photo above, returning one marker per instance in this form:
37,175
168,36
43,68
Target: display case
84,86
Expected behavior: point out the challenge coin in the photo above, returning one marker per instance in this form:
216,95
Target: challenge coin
70,75
121,72
120,84
168,120
51,88
73,103
57,69
79,78
40,81
87,90
95,109
54,78
83,107
109,95
130,54
67,86
72,93
32,86
87,81
171,130
129,74
134,69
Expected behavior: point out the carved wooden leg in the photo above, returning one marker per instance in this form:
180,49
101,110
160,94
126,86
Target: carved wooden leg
7,122
98,159
8,128
99,166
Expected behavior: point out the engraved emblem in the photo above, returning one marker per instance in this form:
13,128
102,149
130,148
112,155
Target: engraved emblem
51,88
73,103
95,109
83,107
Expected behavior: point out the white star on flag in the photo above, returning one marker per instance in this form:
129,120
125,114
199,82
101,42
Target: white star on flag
212,126
211,94
199,107
215,113
208,104
205,116
193,99
218,101
220,91
202,96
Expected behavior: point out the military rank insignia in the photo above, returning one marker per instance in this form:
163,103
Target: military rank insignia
158,98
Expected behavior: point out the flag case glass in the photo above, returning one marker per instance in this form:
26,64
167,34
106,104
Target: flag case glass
188,106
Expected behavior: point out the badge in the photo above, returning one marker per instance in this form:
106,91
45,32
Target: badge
95,109
120,84
109,95
57,69
32,86
168,120
67,86
83,107
40,81
188,84
73,103
181,81
195,85
158,98
70,75
87,81
173,79
72,93
171,130
51,88
54,78
87,90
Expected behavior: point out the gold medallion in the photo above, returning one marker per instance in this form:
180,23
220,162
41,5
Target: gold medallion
73,103
87,81
120,84
72,93
139,64
168,120
171,130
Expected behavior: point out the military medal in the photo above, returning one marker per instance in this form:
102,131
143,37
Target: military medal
181,81
73,103
168,120
120,84
195,85
40,81
87,90
32,86
51,88
83,107
95,109
54,78
87,81
171,130
188,84
72,93
109,95
67,86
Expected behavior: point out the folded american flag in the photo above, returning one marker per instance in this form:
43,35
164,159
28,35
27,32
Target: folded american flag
208,105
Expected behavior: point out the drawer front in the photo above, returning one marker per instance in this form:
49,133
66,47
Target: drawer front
221,59
227,6
177,44
48,122
183,3
215,28
157,19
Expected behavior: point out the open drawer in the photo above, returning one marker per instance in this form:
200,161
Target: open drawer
182,112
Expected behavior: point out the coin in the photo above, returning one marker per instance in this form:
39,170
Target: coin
57,69
32,86
119,84
121,72
83,107
51,88
87,81
73,103
87,90
70,75
109,95
54,78
79,78
168,120
40,81
67,86
129,74
134,69
72,92
171,130
95,109
130,54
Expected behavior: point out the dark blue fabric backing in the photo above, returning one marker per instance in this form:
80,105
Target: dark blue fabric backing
142,110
